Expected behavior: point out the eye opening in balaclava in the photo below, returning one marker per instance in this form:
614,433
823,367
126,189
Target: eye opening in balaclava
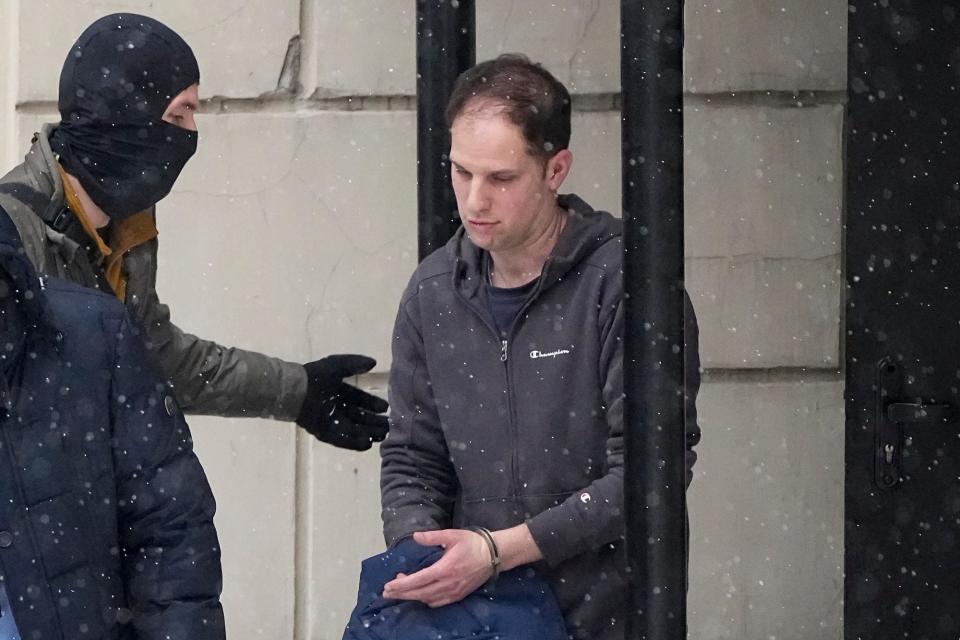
117,81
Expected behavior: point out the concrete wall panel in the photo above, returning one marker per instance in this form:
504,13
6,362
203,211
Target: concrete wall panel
763,195
762,181
766,312
342,529
595,176
369,47
766,512
361,48
249,465
9,51
305,220
240,45
577,40
759,45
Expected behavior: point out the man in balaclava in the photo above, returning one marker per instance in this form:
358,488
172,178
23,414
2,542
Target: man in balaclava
83,202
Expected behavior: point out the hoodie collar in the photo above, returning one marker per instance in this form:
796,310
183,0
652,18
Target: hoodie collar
585,231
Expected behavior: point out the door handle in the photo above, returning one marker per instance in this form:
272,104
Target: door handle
914,412
891,417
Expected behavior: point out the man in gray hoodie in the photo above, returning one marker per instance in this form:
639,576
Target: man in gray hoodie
506,428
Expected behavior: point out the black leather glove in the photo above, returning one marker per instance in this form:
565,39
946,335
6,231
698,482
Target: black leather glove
338,413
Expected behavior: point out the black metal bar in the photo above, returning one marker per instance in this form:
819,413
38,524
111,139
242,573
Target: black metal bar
651,67
446,46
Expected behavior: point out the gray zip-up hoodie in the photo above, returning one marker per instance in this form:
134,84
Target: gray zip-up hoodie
494,432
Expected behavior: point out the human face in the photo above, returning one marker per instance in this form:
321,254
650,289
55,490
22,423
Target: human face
181,109
506,197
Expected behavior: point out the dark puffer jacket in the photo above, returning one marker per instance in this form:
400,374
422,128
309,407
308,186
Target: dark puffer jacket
106,517
518,605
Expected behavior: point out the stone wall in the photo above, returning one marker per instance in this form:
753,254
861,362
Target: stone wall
765,83
295,225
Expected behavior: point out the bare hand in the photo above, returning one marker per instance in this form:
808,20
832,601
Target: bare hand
464,567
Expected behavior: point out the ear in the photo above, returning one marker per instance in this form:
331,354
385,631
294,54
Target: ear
557,169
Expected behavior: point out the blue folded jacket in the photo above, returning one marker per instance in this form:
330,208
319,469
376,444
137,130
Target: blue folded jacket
519,605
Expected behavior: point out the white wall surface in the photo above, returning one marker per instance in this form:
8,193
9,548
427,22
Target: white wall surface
766,533
240,44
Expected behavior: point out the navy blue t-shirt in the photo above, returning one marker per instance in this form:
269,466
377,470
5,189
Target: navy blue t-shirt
505,303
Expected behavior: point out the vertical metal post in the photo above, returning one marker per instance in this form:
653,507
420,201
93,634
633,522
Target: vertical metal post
651,68
446,46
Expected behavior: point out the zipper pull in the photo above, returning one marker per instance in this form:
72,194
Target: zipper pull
503,351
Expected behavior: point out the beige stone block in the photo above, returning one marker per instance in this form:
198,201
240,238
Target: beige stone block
250,466
766,312
757,45
363,47
763,197
766,512
296,231
595,176
240,45
343,529
8,56
369,47
576,40
763,181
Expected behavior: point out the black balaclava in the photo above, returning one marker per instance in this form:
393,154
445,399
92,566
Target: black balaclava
117,81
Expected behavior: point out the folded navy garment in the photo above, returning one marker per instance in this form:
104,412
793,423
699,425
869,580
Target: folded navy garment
517,606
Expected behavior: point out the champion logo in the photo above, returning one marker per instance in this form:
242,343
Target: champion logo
535,354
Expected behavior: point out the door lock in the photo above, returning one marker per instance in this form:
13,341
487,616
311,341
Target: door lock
892,416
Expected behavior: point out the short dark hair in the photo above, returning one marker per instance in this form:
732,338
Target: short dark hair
528,95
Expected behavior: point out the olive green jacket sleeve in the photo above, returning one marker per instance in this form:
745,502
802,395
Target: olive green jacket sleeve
209,378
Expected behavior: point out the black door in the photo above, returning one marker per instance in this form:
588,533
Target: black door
903,321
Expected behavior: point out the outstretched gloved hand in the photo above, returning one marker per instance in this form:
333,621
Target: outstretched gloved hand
339,413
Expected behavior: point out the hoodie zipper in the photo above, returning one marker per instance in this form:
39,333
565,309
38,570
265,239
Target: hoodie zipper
511,419
511,405
504,358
